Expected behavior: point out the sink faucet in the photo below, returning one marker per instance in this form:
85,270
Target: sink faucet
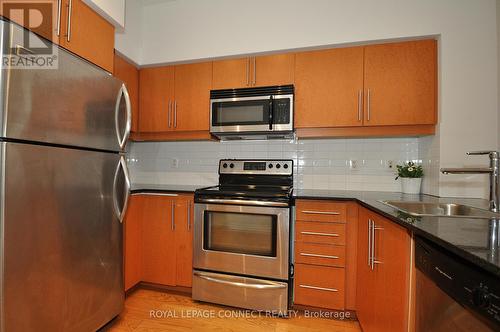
492,171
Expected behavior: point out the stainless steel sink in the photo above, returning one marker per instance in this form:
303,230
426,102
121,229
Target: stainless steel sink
441,209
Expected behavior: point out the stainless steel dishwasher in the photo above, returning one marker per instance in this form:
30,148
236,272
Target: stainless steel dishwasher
452,294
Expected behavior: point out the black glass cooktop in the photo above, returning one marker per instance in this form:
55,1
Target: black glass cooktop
254,191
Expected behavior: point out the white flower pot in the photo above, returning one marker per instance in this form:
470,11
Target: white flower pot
411,185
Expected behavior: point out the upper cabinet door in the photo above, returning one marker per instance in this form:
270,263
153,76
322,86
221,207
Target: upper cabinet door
156,98
328,87
129,74
231,74
44,16
400,83
192,96
87,34
273,69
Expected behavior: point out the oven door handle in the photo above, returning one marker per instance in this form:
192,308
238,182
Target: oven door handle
266,285
271,112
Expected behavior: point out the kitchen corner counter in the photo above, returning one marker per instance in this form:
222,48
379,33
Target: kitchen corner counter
465,237
148,188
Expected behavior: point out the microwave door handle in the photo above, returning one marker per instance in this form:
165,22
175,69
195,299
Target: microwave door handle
271,113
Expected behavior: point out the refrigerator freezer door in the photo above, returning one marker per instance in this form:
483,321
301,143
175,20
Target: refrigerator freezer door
77,104
61,240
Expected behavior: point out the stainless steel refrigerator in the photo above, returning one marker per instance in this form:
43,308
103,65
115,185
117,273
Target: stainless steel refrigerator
64,189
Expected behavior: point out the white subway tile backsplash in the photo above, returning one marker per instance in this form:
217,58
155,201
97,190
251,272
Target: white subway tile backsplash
353,164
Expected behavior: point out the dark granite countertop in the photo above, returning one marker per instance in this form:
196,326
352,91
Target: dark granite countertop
148,188
467,238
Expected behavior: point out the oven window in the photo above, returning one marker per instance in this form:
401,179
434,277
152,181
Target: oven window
247,112
241,233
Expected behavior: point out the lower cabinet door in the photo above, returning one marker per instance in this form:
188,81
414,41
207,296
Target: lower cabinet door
158,241
184,240
319,286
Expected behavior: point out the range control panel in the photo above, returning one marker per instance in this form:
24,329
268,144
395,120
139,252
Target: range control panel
261,167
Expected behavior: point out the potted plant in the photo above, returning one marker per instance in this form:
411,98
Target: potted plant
411,177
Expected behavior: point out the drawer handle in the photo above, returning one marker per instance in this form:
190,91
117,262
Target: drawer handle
320,234
332,213
319,288
317,255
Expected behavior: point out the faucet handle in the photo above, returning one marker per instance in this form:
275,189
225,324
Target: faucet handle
479,153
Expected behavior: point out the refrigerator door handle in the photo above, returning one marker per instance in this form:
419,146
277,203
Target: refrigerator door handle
120,214
123,137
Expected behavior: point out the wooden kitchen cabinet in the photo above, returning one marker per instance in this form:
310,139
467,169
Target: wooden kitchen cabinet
401,83
383,291
328,86
325,254
276,69
231,74
158,240
156,94
174,102
81,29
266,70
129,74
132,243
376,90
87,34
158,244
184,214
15,10
193,83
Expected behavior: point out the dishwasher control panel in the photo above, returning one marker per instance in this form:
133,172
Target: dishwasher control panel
467,284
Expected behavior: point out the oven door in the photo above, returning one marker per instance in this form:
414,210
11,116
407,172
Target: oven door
246,240
252,114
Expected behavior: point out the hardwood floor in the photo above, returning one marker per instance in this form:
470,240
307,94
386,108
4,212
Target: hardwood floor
148,310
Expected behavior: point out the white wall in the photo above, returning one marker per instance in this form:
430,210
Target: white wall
112,10
128,41
176,31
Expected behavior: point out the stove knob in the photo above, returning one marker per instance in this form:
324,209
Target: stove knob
285,166
225,165
270,166
278,166
231,165
480,297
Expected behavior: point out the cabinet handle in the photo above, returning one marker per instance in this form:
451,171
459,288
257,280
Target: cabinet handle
369,242
248,71
70,9
333,213
59,10
169,113
318,255
254,71
319,288
320,234
173,215
189,216
373,260
175,113
368,108
360,104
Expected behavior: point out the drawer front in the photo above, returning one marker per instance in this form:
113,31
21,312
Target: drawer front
320,232
319,286
320,254
321,211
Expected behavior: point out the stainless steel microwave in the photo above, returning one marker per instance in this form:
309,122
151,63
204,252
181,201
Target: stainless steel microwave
261,112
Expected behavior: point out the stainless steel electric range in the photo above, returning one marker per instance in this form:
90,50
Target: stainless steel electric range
241,254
